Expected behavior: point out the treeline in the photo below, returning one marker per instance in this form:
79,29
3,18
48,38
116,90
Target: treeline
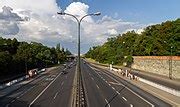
19,57
156,40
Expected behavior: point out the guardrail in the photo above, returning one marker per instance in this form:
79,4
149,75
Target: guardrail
135,74
8,84
2,86
154,84
78,92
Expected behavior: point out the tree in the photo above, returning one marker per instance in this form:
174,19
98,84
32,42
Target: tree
19,57
5,62
159,39
67,52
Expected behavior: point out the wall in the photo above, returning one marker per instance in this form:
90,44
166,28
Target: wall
158,64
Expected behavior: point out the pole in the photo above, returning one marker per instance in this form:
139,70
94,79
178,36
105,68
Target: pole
79,62
79,67
79,24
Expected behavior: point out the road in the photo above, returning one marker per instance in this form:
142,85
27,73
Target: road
52,89
104,89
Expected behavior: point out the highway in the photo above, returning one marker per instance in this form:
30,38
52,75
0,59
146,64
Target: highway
52,89
102,89
107,90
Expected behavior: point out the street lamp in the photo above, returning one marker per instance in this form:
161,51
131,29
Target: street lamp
79,25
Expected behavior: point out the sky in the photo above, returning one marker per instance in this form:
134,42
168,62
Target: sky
36,20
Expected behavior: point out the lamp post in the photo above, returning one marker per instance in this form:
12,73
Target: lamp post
79,28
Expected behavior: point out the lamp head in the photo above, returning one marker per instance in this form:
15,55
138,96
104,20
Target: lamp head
61,13
97,13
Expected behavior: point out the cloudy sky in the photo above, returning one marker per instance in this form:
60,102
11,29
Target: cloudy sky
36,20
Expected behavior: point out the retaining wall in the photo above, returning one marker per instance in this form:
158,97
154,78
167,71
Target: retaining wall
158,64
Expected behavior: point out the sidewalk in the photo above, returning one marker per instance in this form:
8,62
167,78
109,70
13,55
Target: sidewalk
160,79
167,97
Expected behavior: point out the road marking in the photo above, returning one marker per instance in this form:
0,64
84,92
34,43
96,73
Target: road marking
117,92
124,86
113,88
92,78
107,103
109,84
56,95
114,83
130,90
12,101
25,92
62,83
124,98
43,90
97,86
20,95
131,105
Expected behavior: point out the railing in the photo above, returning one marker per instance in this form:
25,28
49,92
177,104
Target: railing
79,97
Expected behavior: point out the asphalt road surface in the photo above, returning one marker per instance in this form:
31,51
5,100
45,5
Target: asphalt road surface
49,90
102,89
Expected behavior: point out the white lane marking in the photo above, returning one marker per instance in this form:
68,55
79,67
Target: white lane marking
117,92
109,84
21,95
43,90
113,88
131,105
92,78
106,81
56,95
107,103
62,83
25,92
131,91
124,98
97,86
114,83
12,101
125,87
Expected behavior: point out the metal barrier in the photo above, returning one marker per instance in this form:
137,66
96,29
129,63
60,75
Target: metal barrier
159,86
